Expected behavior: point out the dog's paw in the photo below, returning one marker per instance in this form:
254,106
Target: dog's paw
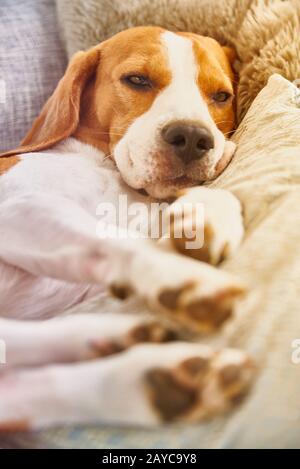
148,384
138,330
200,386
92,336
192,294
82,337
205,224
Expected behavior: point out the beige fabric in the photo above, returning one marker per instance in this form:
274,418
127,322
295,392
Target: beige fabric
265,33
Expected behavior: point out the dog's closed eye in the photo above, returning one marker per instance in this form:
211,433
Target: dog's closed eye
221,97
137,81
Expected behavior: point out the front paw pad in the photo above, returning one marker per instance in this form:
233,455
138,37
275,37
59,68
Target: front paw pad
199,387
197,311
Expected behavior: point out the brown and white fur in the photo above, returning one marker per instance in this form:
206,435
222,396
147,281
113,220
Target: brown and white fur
98,136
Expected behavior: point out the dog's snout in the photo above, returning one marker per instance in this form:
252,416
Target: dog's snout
189,141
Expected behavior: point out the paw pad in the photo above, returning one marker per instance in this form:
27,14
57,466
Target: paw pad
122,292
170,398
170,297
199,387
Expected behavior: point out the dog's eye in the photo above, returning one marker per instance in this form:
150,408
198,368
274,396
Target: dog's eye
221,97
137,81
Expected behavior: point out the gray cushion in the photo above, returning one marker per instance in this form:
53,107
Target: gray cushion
32,60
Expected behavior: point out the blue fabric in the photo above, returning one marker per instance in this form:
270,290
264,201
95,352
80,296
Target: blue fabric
32,60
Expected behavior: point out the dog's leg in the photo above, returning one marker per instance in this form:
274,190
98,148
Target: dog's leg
206,224
190,292
66,248
77,337
146,385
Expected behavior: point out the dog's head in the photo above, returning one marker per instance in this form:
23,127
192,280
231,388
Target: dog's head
159,103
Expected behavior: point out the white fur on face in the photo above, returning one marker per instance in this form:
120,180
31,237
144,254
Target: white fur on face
143,158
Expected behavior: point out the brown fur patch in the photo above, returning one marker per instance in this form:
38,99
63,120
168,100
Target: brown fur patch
7,163
15,426
216,75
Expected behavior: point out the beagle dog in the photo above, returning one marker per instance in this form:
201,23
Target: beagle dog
144,114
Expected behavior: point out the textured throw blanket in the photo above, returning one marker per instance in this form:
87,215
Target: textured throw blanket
265,175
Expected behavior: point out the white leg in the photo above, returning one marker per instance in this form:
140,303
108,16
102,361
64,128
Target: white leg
145,385
77,337
69,248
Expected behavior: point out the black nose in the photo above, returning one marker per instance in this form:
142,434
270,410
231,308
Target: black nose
189,141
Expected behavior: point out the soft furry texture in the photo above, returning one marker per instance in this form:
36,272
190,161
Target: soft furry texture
265,33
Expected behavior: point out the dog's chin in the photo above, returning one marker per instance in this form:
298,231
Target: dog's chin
166,187
169,188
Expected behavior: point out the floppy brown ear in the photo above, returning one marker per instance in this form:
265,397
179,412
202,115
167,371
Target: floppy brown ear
59,117
230,54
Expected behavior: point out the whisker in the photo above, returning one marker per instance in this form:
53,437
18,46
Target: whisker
106,157
223,122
